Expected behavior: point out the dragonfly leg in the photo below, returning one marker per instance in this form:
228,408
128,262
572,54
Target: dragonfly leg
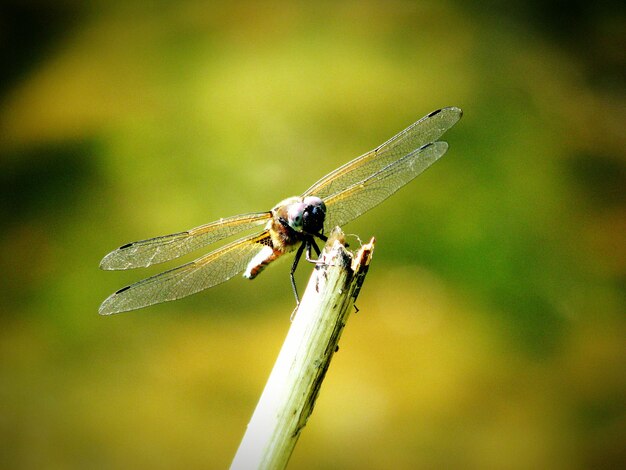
315,247
306,244
293,270
311,244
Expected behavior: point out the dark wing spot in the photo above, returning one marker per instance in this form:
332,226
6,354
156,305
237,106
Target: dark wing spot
125,246
434,113
267,241
122,290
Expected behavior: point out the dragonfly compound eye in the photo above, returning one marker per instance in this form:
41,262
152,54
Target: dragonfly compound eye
295,216
314,215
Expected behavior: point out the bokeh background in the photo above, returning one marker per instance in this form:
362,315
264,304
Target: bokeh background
491,331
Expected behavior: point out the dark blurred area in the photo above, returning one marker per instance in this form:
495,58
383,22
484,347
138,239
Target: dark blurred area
491,329
29,30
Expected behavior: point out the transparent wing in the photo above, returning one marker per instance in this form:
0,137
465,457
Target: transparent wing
207,271
426,130
157,250
360,197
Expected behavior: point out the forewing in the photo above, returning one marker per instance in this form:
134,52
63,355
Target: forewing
207,271
144,253
360,197
426,130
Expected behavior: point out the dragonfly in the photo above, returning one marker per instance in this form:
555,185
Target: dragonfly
293,224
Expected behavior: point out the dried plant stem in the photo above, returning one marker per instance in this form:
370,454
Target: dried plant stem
294,384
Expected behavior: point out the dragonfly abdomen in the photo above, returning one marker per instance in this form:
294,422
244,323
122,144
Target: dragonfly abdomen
260,261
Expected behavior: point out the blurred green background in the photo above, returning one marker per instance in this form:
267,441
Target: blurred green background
491,331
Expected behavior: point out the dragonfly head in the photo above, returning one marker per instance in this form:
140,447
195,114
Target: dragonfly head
307,216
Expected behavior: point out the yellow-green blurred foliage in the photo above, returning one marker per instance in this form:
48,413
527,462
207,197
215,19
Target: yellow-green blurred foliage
491,331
